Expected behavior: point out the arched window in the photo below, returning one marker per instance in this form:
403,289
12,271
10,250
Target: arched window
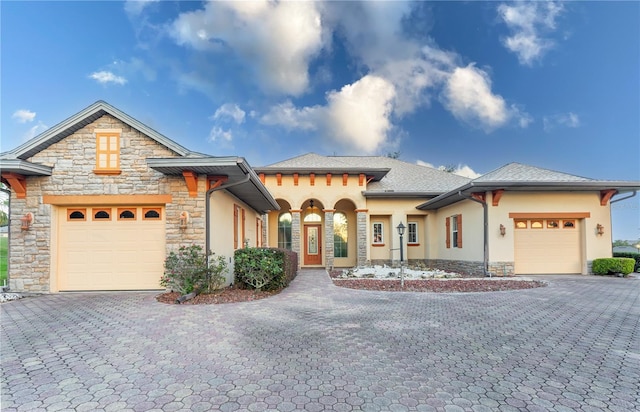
284,230
340,235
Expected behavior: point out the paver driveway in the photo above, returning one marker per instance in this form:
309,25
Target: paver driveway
573,345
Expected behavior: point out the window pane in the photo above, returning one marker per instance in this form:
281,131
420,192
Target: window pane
113,143
340,235
102,143
413,233
377,233
284,231
113,160
102,160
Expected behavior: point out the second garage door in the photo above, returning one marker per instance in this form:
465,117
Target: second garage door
110,248
547,246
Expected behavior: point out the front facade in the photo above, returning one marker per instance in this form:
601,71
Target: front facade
99,200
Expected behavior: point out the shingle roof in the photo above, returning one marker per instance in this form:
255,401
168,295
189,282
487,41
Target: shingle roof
517,172
399,176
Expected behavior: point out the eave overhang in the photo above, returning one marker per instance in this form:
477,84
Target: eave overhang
464,191
24,168
253,192
375,174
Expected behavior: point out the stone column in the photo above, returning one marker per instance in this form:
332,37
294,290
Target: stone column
265,230
361,235
328,238
296,235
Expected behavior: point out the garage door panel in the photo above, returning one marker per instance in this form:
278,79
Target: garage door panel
548,250
110,255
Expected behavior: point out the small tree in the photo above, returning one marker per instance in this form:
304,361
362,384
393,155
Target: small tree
187,271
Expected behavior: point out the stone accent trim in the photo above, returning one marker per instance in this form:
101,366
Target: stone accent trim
328,239
361,236
295,234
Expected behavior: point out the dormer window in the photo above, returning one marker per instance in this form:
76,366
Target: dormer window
107,152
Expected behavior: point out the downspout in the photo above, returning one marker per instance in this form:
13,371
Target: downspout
207,246
486,230
624,198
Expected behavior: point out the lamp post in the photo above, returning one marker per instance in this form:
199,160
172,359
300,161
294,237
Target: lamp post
401,229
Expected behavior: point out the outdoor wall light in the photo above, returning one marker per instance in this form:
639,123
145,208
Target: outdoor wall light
503,230
401,229
599,229
184,219
26,221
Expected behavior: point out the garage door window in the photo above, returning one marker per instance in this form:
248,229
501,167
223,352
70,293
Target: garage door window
126,214
76,214
569,224
552,224
101,214
151,214
536,224
521,224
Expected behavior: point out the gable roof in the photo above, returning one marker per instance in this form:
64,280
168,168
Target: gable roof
521,177
391,177
79,120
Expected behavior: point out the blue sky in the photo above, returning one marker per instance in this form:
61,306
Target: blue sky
471,84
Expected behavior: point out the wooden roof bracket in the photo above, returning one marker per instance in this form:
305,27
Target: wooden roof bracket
496,195
17,182
606,195
191,179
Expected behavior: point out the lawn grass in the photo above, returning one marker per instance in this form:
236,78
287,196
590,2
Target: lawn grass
3,259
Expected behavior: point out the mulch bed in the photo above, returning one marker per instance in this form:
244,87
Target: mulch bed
230,294
438,286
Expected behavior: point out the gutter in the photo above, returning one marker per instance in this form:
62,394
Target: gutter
486,230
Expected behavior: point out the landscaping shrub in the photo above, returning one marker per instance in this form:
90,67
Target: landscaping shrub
186,271
264,268
607,266
634,256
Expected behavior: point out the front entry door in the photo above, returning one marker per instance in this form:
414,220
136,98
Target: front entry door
312,246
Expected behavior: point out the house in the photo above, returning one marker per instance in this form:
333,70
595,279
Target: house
344,211
99,200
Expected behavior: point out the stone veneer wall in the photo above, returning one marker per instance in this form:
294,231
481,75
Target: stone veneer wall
73,159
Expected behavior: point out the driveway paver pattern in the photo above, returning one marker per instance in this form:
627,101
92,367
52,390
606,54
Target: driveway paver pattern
573,345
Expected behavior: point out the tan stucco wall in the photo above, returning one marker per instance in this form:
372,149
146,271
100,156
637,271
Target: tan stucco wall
593,246
329,195
472,232
32,252
221,216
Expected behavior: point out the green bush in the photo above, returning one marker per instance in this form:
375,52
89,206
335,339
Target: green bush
264,268
607,266
634,256
187,271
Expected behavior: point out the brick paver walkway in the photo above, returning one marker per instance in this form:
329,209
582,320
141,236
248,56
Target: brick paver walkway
573,345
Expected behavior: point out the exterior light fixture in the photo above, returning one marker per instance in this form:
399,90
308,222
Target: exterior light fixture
503,230
184,219
26,221
599,229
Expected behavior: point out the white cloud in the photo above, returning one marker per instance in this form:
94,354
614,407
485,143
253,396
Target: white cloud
135,7
468,96
528,23
356,118
278,39
24,116
230,111
570,120
105,77
35,130
218,134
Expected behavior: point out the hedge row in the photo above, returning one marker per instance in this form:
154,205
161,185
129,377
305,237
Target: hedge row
634,256
264,268
614,265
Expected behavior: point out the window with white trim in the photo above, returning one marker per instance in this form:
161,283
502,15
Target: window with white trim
412,232
378,233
